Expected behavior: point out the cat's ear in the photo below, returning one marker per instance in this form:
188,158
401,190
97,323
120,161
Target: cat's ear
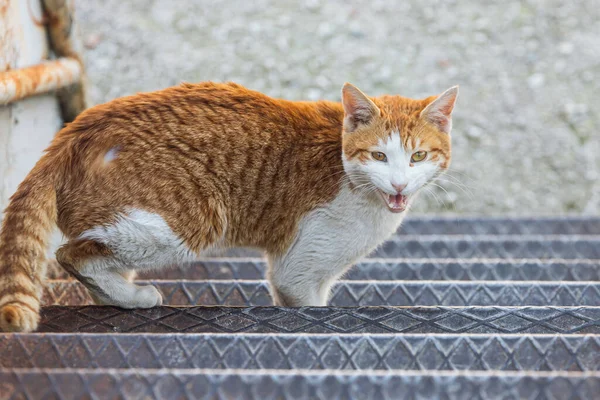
439,111
358,108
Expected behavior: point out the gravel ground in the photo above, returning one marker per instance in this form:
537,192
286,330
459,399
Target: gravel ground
525,132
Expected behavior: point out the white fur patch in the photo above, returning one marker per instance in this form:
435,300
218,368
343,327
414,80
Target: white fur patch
397,170
142,240
110,155
329,240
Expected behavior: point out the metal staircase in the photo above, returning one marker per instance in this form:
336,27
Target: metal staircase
449,308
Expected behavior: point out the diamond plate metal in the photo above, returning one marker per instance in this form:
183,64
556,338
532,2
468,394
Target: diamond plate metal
424,225
203,269
304,351
532,246
473,270
300,385
473,246
340,353
395,269
360,293
460,293
331,320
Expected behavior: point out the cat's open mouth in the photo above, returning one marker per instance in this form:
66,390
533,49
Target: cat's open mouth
396,203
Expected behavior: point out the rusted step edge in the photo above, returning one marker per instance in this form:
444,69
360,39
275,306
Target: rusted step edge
358,293
330,320
304,351
299,385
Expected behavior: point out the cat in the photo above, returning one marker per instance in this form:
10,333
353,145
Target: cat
156,179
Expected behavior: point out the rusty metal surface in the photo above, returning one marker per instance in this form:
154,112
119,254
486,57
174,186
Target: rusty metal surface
65,42
22,37
23,44
62,28
50,75
9,49
26,126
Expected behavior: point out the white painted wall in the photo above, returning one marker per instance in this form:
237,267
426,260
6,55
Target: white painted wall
26,129
27,126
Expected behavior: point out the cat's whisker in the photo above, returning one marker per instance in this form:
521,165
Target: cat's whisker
449,175
441,187
464,176
445,191
430,192
464,189
347,180
444,178
453,170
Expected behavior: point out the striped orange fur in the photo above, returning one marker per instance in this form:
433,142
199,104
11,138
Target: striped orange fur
222,165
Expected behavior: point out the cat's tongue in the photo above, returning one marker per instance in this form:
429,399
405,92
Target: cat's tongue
396,203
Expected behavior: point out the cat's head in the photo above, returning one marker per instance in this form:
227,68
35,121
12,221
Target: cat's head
394,146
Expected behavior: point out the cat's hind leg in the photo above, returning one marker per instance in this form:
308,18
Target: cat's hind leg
102,258
97,268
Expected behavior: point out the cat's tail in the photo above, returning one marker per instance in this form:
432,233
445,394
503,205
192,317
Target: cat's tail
28,224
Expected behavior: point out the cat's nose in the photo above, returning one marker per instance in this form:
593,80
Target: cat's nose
399,188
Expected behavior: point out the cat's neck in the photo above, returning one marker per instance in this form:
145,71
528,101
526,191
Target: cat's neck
365,196
362,214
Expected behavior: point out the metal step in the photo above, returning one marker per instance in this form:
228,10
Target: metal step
304,351
359,293
332,320
297,385
395,269
472,246
456,308
451,225
493,246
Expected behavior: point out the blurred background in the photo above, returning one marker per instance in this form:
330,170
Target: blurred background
525,130
525,134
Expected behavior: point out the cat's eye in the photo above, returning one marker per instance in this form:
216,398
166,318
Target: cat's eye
379,156
418,156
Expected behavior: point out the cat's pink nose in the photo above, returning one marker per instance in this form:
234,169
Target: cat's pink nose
399,188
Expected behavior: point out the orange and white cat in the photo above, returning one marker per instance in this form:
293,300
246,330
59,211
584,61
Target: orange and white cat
156,179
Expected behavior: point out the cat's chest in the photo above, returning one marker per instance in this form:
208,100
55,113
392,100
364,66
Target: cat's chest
364,221
350,225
